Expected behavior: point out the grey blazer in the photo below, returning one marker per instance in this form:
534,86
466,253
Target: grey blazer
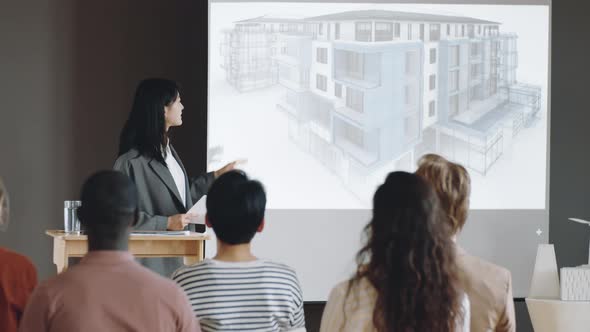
159,198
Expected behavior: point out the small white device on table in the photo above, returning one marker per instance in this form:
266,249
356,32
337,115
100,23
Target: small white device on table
546,308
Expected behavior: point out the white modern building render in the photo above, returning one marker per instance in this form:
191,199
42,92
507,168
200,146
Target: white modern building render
373,89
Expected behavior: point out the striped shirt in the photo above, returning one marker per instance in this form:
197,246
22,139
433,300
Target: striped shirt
243,296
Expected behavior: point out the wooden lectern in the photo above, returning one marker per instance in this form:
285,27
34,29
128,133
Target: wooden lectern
190,247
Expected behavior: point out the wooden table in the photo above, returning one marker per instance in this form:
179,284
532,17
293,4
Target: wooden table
190,247
548,315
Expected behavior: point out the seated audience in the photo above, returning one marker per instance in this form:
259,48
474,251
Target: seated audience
236,291
488,286
18,276
108,290
406,279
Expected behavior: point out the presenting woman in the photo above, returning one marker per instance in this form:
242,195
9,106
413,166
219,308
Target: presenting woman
147,156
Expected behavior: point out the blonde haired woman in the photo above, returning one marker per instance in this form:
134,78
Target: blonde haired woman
489,286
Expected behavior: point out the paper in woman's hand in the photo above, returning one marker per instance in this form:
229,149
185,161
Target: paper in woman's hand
198,211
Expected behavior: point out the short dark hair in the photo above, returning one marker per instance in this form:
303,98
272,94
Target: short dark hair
235,207
109,202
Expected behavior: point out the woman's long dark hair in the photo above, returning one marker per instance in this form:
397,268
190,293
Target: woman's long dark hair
409,259
145,129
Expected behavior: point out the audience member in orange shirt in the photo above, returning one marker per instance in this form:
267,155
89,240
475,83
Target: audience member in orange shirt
18,276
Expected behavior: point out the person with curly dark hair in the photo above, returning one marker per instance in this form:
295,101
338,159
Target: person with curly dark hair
406,279
488,286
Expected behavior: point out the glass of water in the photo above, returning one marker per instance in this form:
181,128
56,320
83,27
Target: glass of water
71,221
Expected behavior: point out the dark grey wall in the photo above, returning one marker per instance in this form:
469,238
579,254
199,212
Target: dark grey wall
68,70
570,134
30,127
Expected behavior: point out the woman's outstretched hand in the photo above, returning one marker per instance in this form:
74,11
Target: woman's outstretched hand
229,167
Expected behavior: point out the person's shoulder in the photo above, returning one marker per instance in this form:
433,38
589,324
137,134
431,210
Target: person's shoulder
186,270
7,254
16,260
54,286
130,156
341,287
360,292
474,264
282,271
361,288
484,278
279,266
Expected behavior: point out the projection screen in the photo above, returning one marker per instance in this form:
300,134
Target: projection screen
325,98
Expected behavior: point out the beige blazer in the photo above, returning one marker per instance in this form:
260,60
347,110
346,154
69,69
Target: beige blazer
353,312
489,288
